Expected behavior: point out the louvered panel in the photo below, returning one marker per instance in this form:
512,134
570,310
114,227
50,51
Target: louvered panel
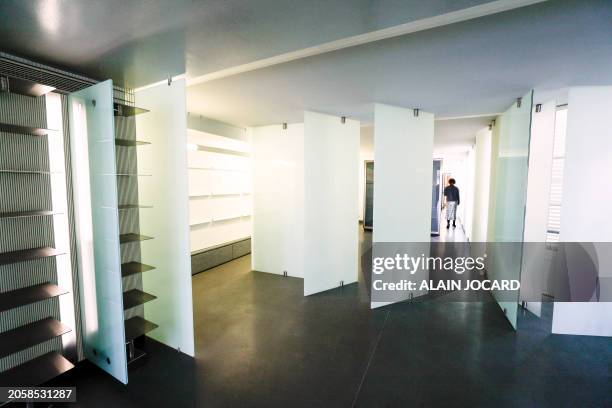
25,233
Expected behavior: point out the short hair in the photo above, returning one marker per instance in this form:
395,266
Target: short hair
451,181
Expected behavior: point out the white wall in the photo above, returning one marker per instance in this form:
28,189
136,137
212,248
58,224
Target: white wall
331,209
219,189
278,199
482,180
586,187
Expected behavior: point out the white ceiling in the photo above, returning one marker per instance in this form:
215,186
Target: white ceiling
469,68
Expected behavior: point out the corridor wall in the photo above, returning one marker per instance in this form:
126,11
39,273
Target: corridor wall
403,154
278,199
585,188
331,206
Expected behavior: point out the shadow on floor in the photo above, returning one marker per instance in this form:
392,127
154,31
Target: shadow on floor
261,343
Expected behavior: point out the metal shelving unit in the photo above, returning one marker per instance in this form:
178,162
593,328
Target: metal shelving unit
136,326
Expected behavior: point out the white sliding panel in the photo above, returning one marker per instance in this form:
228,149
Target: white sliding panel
403,154
278,199
331,201
165,127
586,193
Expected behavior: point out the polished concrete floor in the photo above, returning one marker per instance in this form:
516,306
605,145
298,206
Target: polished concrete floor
261,343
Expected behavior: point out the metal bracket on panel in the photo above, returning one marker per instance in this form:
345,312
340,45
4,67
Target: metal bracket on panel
284,126
493,122
415,112
518,102
410,296
490,126
343,119
169,80
538,108
93,102
342,284
285,274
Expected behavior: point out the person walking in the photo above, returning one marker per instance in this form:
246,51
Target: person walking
451,194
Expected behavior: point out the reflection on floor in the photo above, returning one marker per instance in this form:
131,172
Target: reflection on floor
261,343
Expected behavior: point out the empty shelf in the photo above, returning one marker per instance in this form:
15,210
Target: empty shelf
20,214
219,150
30,294
130,143
23,130
30,335
24,87
130,206
37,371
28,255
125,238
136,297
132,268
136,327
126,110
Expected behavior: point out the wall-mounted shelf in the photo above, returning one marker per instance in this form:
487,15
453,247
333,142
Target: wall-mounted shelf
211,149
37,371
132,268
23,255
136,327
23,214
218,169
30,294
23,87
132,206
125,238
136,297
126,110
130,143
211,195
30,335
24,130
223,219
132,175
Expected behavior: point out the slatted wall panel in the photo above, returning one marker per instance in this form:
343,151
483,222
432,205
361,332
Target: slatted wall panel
22,192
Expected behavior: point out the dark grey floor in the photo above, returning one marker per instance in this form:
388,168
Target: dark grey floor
261,343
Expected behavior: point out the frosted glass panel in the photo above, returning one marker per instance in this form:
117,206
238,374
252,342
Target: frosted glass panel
278,196
511,158
97,227
165,127
331,202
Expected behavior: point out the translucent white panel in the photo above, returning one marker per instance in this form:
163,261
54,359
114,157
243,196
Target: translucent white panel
92,135
507,220
331,206
586,192
403,153
165,126
278,195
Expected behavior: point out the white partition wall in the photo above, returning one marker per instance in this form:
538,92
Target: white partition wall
403,154
166,190
586,193
278,199
331,201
